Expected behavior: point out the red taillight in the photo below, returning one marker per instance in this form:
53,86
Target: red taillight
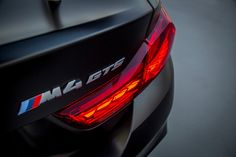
109,105
112,97
159,45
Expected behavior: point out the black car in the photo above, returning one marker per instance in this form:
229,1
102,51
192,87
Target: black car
84,78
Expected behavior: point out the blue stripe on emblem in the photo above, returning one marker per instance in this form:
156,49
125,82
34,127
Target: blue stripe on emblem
23,107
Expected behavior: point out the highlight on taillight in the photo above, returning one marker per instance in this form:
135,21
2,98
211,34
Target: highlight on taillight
109,99
159,45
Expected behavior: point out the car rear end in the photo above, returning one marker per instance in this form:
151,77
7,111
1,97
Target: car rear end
85,78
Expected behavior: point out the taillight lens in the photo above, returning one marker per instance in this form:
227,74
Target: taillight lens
112,97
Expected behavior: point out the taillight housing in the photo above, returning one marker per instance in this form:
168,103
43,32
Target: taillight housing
112,97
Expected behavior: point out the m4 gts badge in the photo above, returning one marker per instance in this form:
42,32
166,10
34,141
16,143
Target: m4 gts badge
39,99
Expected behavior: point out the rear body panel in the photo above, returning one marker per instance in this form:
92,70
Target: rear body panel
43,48
135,131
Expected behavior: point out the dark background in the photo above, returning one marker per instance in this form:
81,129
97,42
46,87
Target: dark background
202,122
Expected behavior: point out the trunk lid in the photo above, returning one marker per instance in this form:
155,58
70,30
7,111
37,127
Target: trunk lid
98,39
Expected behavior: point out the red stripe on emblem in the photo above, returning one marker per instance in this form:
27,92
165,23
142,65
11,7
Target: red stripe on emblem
36,101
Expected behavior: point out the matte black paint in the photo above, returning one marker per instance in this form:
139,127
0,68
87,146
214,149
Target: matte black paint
55,44
62,56
26,18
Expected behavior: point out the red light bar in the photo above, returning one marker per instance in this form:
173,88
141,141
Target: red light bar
97,107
